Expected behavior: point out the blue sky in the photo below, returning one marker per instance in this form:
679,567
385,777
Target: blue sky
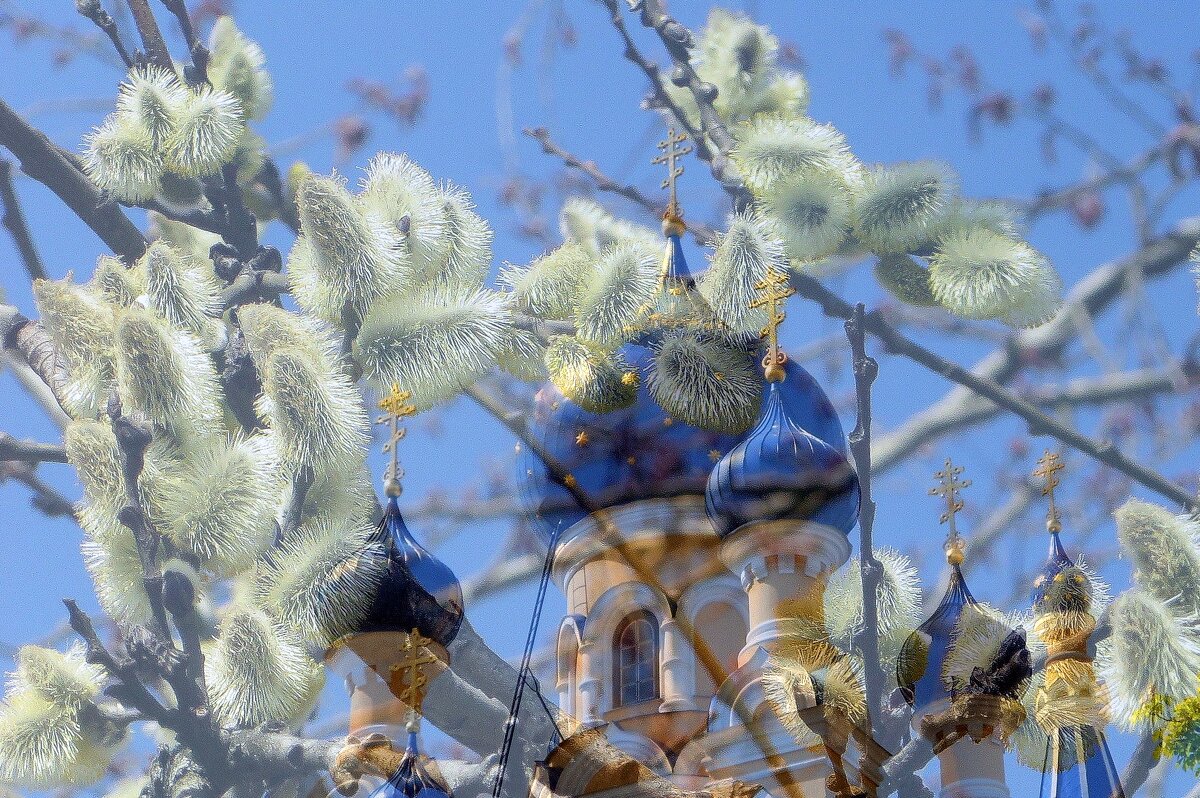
589,98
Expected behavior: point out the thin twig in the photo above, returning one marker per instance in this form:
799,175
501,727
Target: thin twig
30,451
14,222
102,20
152,38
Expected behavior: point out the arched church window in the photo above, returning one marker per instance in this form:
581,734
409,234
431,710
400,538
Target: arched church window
636,661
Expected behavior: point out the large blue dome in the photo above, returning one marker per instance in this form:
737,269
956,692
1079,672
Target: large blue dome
781,471
640,452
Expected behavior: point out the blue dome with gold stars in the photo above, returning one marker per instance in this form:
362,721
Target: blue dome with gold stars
782,472
640,452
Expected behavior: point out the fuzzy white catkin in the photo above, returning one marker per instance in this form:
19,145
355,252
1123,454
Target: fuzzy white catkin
706,382
898,600
258,671
65,679
523,356
623,285
238,65
151,98
980,274
468,240
82,328
586,222
597,380
117,284
208,126
812,210
120,157
770,148
1163,548
166,375
316,415
42,745
270,329
1149,648
435,343
405,196
184,292
550,286
344,255
322,579
900,206
223,502
748,249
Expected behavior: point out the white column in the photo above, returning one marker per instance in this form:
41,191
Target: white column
677,670
590,685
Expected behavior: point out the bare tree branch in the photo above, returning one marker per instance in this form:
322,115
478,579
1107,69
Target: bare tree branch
30,451
14,221
42,161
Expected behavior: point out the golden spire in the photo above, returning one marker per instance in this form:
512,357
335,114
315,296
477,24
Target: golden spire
395,407
671,153
411,679
948,488
1049,465
774,289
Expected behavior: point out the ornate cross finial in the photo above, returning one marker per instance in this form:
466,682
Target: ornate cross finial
410,678
948,488
671,153
1049,465
773,290
395,406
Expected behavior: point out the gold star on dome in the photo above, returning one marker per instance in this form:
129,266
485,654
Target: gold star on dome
668,421
631,460
582,438
629,378
570,481
714,455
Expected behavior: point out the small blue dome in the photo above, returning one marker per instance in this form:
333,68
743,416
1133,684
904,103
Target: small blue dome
412,779
1061,586
640,452
418,591
781,471
923,655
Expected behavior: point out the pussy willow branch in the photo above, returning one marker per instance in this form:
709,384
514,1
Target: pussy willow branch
42,161
152,38
1045,344
102,20
14,221
866,369
1092,294
30,451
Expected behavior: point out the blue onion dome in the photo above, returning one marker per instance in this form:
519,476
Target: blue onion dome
1061,586
639,452
923,656
413,777
418,591
781,471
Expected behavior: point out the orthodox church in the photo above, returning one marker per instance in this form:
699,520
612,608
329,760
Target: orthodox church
692,562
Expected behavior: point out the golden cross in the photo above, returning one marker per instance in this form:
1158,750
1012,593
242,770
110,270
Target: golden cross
671,153
948,487
1049,465
411,679
395,406
774,289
